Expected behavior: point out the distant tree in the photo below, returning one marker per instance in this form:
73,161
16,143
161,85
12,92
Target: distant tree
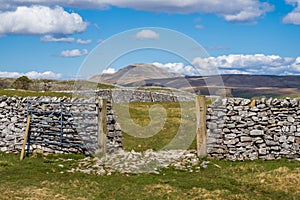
22,82
4,83
46,84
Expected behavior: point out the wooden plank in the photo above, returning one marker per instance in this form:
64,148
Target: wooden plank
25,137
111,96
102,128
201,126
151,97
98,111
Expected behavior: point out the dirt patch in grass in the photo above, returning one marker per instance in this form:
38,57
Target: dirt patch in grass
281,179
249,168
166,191
32,193
201,193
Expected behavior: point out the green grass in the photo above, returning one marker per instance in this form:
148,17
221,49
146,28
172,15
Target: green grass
41,177
139,113
46,177
27,93
155,89
105,86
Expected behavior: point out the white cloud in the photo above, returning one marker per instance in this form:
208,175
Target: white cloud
179,68
147,34
80,41
109,71
294,16
95,4
40,20
74,53
199,26
249,64
10,74
32,75
253,10
233,10
237,64
50,38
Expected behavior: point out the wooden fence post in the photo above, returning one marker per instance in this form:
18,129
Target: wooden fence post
25,137
102,127
201,126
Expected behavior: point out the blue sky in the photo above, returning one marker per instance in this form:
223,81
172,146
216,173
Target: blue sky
52,38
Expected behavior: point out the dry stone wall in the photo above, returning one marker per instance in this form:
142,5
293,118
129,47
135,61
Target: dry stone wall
239,129
132,95
13,118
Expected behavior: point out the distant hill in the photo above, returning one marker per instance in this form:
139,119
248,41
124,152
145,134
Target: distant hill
236,85
136,75
248,86
145,75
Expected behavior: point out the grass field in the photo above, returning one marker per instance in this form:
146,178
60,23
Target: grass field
45,177
139,113
26,93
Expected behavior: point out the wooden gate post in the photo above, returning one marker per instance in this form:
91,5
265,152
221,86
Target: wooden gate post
201,126
102,127
25,137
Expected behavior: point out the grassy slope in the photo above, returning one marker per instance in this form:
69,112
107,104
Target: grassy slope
26,93
42,178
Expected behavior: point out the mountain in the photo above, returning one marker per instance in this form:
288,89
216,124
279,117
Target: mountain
247,86
237,85
135,75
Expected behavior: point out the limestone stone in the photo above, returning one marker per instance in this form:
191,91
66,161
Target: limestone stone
293,128
282,139
290,139
3,104
245,102
275,148
226,130
290,119
271,143
230,142
232,125
230,136
262,151
246,139
256,132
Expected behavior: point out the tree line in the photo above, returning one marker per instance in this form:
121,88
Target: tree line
25,83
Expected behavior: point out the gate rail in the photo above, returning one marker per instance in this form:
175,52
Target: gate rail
62,125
